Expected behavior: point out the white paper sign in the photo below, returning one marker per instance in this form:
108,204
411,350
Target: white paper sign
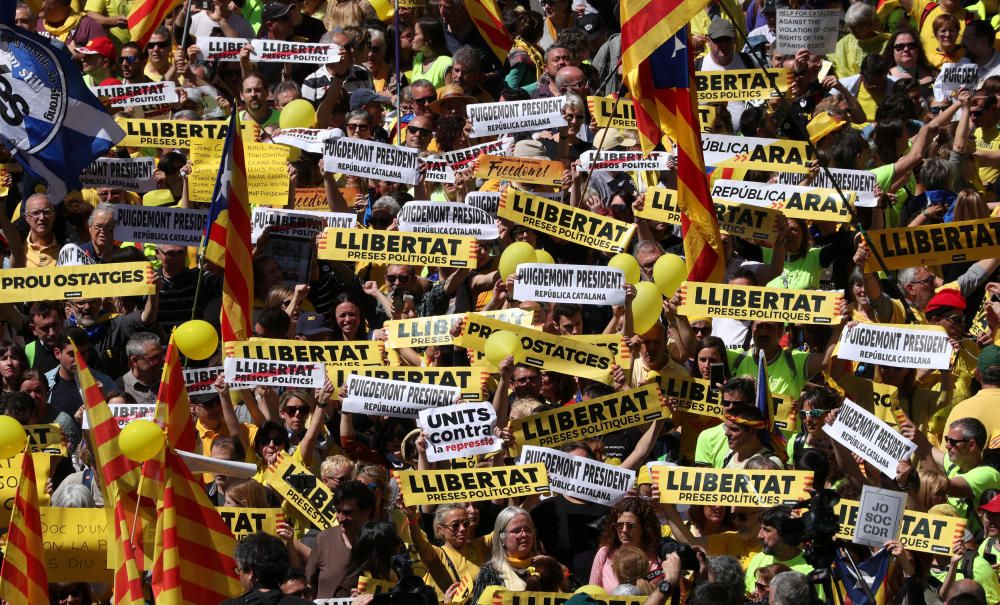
580,477
448,218
792,200
279,51
815,30
380,397
456,431
719,148
868,436
620,161
242,373
436,170
130,174
139,95
306,139
461,158
954,76
578,284
488,201
358,157
490,119
125,413
300,224
159,225
880,516
201,380
896,345
222,49
861,182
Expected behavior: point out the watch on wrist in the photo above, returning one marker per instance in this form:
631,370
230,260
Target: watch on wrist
665,587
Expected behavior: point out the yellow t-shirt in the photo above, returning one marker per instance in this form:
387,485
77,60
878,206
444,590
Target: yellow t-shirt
924,12
988,140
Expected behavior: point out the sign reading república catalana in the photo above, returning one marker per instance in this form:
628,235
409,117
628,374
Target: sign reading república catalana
863,433
904,346
508,117
580,477
579,284
160,225
130,174
751,222
359,157
448,218
380,397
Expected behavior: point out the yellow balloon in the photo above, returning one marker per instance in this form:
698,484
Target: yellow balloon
500,344
515,254
140,440
646,307
668,273
542,256
197,339
629,266
297,114
12,437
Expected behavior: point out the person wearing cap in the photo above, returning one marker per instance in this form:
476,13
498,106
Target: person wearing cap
98,60
989,516
702,21
451,101
368,100
947,309
863,39
312,326
722,56
276,24
64,23
466,74
984,404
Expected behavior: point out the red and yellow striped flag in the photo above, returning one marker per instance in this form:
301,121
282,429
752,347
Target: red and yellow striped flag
193,560
486,16
146,16
229,233
173,409
23,580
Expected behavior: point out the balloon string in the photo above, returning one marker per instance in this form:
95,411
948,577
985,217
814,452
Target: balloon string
138,500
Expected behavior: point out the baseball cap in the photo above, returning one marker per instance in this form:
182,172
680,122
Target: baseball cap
364,96
952,299
989,356
720,28
203,398
99,46
529,148
591,23
612,138
275,10
993,506
770,7
311,324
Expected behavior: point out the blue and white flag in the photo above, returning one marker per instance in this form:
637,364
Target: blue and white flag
51,122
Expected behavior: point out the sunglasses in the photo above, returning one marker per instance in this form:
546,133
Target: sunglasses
357,126
423,100
936,110
954,442
955,319
904,46
813,413
457,524
294,410
163,44
626,525
396,278
128,60
417,130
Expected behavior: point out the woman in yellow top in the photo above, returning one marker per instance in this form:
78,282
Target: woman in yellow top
946,31
458,559
431,61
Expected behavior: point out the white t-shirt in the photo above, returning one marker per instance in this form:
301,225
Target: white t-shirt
202,26
735,107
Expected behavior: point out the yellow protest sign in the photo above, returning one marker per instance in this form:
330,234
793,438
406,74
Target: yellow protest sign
741,84
245,521
707,114
300,488
564,221
758,303
171,133
939,244
76,282
426,331
615,343
345,353
612,114
754,223
507,597
755,153
539,349
314,198
76,543
470,380
472,485
590,418
920,531
267,173
732,487
46,438
807,203
370,585
10,477
521,170
692,395
397,247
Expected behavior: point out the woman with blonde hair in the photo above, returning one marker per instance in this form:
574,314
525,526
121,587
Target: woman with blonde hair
335,470
969,206
342,14
247,494
631,565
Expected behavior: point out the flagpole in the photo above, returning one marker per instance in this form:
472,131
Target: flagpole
797,119
399,88
187,21
614,111
138,501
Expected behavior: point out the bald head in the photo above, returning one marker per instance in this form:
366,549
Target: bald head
966,587
572,80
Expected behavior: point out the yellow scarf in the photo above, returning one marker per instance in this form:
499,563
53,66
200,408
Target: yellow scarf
533,53
64,30
517,563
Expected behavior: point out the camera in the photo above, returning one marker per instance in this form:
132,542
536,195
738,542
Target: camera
820,523
689,558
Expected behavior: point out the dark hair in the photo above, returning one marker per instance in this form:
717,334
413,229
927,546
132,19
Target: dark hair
847,145
890,59
873,66
745,273
73,334
514,94
357,491
895,105
19,406
262,437
374,549
275,322
133,45
59,590
434,36
697,515
573,38
530,27
648,523
752,119
713,593
449,132
972,429
820,398
714,342
781,519
885,136
265,556
741,384
9,346
569,446
235,447
45,307
566,310
746,411
342,298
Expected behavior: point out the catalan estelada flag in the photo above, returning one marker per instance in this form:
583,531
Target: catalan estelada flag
146,16
229,236
659,73
486,16
193,559
875,572
23,580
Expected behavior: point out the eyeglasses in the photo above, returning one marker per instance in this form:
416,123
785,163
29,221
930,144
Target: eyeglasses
357,126
955,319
162,44
417,130
337,479
464,523
928,281
938,109
128,60
521,530
578,118
423,100
901,46
813,413
728,402
104,226
626,525
38,213
954,442
395,278
295,410
701,328
279,440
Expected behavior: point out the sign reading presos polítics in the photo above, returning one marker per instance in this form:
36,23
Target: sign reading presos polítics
812,29
489,119
577,284
306,139
243,373
454,431
724,86
954,76
755,152
621,161
397,247
378,397
864,434
138,95
807,203
487,201
130,174
612,113
436,170
279,51
880,515
299,224
861,182
358,157
461,158
580,477
448,218
903,346
201,380
758,303
160,225
222,49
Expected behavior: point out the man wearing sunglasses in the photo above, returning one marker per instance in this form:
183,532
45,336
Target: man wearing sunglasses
713,446
132,63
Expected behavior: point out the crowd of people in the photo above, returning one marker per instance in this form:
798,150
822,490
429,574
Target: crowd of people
876,104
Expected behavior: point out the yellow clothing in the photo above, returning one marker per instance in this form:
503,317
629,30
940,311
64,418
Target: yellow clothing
983,405
89,195
701,21
446,565
988,140
963,366
937,58
41,256
109,8
732,544
924,12
63,31
207,436
850,51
